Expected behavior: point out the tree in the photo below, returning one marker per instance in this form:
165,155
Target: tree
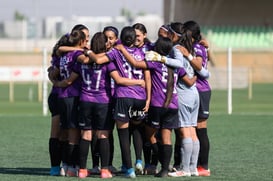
141,13
127,13
18,16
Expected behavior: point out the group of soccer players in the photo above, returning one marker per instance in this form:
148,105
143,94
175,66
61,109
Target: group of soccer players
145,89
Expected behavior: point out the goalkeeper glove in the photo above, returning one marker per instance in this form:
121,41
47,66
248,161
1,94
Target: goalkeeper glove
154,56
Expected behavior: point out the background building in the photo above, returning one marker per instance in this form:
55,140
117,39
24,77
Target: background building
220,12
245,26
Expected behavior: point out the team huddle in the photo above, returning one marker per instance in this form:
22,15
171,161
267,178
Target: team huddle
145,89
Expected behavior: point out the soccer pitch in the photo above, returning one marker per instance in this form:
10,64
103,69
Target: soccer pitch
241,143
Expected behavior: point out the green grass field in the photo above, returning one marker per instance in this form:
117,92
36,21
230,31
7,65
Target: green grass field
241,143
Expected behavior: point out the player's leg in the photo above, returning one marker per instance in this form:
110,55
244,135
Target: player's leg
202,133
54,142
121,116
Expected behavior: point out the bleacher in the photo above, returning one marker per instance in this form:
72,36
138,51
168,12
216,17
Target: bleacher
239,37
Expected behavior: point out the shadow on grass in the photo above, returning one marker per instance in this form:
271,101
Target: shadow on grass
25,171
37,171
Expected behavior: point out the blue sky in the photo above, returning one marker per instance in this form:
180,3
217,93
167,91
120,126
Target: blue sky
66,8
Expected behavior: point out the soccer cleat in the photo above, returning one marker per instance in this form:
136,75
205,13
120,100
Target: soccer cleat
203,172
63,170
139,168
105,173
83,173
123,169
55,171
195,173
130,173
150,170
162,173
113,169
176,168
71,172
95,170
179,173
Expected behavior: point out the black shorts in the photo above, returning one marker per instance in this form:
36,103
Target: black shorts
69,112
124,105
95,116
204,98
159,117
53,102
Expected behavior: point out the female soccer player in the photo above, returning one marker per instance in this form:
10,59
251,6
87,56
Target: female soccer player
141,38
95,108
111,33
69,97
138,130
60,50
56,144
127,97
163,109
163,31
204,90
199,63
85,30
188,103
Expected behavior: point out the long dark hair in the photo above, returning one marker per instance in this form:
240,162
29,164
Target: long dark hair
79,27
75,37
163,46
98,43
128,36
183,34
195,30
63,41
178,29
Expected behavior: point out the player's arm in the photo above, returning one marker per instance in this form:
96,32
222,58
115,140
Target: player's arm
126,81
83,59
100,58
148,88
176,62
63,49
66,82
196,62
53,73
189,81
130,59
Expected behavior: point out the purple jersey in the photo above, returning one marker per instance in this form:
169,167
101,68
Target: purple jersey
147,47
119,63
159,75
96,82
202,84
67,62
55,63
181,73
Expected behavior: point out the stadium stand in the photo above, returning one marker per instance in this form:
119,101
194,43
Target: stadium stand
239,36
240,24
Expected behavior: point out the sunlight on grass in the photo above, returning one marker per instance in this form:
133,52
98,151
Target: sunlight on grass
241,144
